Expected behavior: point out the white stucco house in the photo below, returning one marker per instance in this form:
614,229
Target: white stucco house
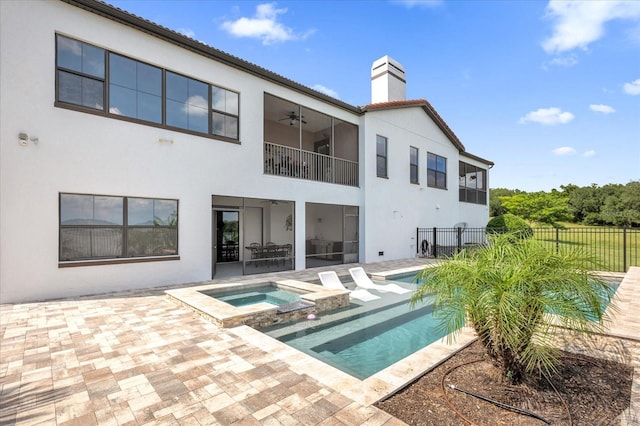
133,156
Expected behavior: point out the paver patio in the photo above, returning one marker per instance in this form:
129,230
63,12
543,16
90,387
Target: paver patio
136,358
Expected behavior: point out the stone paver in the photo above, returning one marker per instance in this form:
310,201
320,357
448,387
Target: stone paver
136,358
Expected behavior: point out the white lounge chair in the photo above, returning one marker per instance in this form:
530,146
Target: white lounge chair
362,280
331,281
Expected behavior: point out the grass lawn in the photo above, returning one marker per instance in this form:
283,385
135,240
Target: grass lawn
606,243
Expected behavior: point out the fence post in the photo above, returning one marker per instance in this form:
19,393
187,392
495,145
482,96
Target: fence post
435,242
624,248
459,231
557,239
418,243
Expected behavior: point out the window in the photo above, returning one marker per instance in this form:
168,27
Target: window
141,92
225,113
99,227
472,183
135,89
187,103
413,164
381,156
80,73
436,171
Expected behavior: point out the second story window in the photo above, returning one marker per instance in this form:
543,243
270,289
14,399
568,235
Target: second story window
436,171
187,103
413,164
136,91
80,73
225,113
381,156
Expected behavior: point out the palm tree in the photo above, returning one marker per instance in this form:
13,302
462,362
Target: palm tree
512,292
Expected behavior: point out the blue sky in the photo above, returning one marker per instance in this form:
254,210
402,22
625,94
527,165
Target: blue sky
549,91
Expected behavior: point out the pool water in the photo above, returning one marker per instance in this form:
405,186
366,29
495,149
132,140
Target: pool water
410,278
269,294
364,339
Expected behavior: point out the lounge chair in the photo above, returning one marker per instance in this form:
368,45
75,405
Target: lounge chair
362,280
331,281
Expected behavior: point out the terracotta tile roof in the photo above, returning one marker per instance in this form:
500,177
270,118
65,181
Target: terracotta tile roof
426,106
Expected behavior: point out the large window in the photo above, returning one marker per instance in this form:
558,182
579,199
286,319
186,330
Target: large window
87,75
413,164
472,183
436,171
187,103
97,227
381,156
135,89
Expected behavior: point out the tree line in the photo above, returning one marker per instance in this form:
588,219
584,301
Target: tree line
611,204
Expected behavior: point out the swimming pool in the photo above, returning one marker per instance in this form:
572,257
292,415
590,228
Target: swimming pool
266,293
365,337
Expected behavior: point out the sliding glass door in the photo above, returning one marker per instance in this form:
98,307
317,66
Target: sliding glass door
331,234
252,236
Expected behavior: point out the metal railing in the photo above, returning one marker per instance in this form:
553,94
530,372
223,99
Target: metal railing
286,161
616,249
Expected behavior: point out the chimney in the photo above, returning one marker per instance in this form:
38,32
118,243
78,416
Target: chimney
388,81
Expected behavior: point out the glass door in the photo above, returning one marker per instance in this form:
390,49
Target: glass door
227,236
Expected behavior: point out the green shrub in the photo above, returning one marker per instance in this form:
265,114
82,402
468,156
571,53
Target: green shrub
510,223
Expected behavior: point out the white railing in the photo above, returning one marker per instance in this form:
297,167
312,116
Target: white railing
286,161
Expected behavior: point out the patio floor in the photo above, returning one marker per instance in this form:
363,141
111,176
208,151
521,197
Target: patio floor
136,358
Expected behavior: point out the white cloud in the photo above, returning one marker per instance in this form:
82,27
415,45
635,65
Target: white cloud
589,153
564,61
419,3
605,109
115,110
579,23
264,26
196,105
564,150
547,116
188,32
632,88
322,89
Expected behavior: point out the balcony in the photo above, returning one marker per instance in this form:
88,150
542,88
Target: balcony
281,160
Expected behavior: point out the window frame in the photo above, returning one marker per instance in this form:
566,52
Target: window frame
80,73
213,111
125,229
382,156
106,83
467,193
414,167
438,175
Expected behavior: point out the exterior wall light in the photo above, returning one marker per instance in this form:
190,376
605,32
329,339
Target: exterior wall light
24,139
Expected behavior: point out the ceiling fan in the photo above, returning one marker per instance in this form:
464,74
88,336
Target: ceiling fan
293,117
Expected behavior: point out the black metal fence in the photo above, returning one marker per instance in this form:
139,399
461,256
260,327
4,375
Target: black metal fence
615,248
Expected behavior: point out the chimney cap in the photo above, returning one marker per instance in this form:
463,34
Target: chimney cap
387,80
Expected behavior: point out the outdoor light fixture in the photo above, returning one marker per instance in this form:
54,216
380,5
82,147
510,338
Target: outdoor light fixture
23,139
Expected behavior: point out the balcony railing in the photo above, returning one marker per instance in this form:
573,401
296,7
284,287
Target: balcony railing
286,161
